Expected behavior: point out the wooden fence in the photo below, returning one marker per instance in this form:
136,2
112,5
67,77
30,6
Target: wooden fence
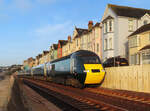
134,78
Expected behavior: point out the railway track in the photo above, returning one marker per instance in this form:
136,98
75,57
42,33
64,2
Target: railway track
90,99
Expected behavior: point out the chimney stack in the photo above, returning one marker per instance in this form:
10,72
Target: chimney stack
90,25
69,38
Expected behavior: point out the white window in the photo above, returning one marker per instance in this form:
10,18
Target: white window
145,22
133,59
69,46
130,25
110,25
97,47
134,41
110,43
105,44
77,42
105,27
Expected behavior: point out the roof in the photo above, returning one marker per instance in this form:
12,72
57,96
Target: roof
40,55
63,42
97,24
85,31
45,52
30,59
109,17
81,31
145,47
143,28
128,11
55,46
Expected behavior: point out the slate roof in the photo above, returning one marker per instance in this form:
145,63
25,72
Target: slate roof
81,31
143,28
40,55
128,11
97,24
63,42
146,47
45,52
85,31
55,46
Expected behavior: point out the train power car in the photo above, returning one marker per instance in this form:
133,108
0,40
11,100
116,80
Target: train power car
77,69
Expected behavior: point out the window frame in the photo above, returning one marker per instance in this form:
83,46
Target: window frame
130,25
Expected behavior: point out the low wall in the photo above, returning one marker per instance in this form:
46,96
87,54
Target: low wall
134,78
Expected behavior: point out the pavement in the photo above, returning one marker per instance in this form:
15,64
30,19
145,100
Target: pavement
36,102
5,90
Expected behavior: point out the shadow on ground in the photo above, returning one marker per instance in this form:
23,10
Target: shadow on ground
2,77
16,103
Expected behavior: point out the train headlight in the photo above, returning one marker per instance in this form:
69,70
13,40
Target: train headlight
103,70
86,71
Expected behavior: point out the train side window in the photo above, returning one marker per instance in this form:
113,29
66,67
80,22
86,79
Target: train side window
53,67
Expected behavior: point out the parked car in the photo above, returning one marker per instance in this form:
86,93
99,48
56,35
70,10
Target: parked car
115,62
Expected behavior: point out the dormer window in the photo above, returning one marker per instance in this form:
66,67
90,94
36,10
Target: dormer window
130,25
145,22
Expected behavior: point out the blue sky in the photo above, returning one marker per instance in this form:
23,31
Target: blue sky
27,27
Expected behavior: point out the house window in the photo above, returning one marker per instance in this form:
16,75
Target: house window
149,36
133,59
110,26
94,47
130,25
69,46
77,42
97,47
110,43
105,44
145,22
105,27
146,56
134,42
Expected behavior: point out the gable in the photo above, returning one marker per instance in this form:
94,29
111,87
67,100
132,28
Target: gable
128,11
144,18
108,13
75,33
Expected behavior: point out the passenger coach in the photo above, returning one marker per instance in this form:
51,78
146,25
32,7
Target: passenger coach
77,69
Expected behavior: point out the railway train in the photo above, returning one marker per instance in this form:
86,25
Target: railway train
78,69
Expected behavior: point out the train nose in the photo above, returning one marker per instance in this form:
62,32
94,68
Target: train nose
94,73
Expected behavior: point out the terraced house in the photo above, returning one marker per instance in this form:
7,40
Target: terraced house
139,46
37,60
61,43
67,48
88,39
53,51
77,38
118,22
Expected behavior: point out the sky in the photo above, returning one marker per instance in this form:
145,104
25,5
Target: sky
27,27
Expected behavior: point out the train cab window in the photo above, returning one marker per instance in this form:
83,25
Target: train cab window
53,66
89,59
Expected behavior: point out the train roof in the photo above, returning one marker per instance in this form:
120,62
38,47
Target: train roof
86,52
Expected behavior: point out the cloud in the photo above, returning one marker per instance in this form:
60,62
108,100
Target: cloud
57,31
